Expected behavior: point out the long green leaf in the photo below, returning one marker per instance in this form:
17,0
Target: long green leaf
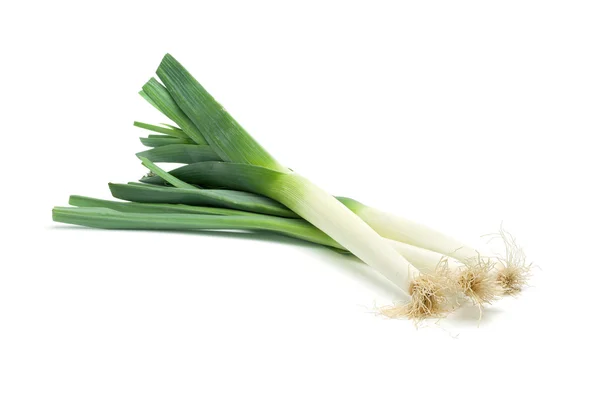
227,138
200,197
151,208
110,219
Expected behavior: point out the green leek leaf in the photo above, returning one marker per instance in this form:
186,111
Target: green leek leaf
167,130
200,197
227,138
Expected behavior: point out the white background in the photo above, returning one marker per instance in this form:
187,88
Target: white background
460,114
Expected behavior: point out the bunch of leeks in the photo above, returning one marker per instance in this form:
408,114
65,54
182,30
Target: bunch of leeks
230,182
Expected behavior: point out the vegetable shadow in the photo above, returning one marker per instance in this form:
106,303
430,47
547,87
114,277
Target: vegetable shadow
344,262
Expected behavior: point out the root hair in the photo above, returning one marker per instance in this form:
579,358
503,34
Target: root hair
431,297
476,280
513,269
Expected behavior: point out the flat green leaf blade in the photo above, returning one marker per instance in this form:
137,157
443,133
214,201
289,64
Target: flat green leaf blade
200,197
110,219
163,101
158,142
215,174
167,130
151,208
229,140
180,153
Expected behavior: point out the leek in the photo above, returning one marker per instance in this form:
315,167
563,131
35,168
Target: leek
231,182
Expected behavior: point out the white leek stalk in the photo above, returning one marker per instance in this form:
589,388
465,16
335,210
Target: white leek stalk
481,273
406,231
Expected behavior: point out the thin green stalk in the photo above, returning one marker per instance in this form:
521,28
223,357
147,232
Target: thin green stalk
110,219
151,208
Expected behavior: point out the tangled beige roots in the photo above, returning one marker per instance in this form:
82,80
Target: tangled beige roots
476,280
431,296
513,270
512,279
